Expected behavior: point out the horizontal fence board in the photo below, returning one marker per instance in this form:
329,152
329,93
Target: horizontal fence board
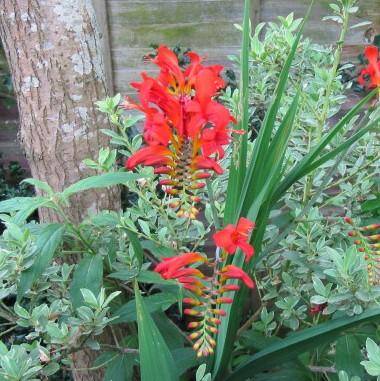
205,26
151,12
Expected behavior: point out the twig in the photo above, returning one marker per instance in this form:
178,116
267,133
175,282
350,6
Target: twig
249,322
322,369
120,349
8,330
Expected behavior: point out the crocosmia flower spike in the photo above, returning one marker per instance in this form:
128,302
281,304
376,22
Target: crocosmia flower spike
371,74
185,128
208,293
367,240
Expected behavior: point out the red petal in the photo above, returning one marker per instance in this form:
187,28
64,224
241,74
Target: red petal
223,239
150,155
372,53
234,272
244,225
247,249
202,162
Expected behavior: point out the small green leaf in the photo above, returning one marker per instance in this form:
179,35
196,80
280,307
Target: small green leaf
137,248
88,274
102,181
46,246
40,185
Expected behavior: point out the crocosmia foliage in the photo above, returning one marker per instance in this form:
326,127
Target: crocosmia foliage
185,128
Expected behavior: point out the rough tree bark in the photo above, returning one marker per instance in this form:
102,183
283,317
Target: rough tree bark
54,52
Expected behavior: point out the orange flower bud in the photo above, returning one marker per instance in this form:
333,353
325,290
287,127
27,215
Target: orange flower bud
229,287
352,233
198,186
218,312
214,320
192,301
348,220
194,324
194,335
191,312
167,182
171,191
370,227
174,204
212,329
374,237
201,175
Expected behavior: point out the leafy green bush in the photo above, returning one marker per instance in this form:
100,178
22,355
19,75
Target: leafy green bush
306,169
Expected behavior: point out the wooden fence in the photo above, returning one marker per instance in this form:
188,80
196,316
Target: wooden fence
207,26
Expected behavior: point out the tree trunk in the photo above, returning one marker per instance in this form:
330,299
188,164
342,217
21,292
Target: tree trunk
54,50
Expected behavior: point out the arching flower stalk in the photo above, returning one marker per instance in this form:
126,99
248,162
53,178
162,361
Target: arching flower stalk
207,294
185,129
367,240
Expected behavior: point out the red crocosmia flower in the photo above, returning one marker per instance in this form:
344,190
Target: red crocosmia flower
174,268
151,155
317,308
233,237
185,129
234,272
372,72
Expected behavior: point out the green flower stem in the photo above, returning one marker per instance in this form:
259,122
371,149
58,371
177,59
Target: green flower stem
212,204
326,104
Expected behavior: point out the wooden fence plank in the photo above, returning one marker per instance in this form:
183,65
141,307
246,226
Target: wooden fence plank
102,19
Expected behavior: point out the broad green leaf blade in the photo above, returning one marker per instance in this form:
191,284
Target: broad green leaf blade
40,185
227,329
120,368
239,155
272,166
101,181
137,248
88,274
46,245
255,175
184,358
300,342
153,303
262,148
157,250
156,361
24,207
17,203
348,356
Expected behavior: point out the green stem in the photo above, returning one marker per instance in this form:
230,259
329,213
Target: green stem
212,204
326,104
